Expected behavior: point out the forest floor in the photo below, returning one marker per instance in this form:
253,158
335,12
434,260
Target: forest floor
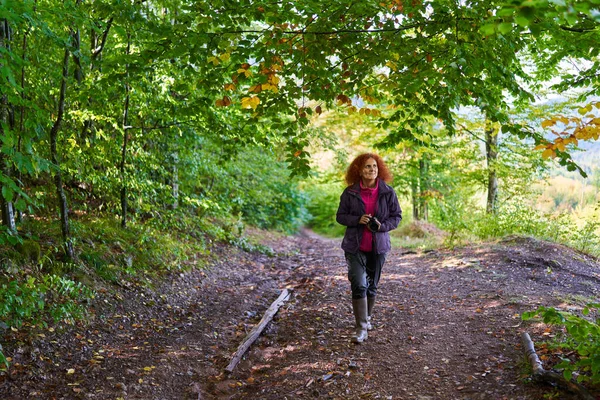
446,326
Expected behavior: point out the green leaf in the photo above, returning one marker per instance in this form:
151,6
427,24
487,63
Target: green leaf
7,193
568,374
488,29
505,27
522,21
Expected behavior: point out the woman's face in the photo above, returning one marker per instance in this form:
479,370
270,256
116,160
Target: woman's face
369,170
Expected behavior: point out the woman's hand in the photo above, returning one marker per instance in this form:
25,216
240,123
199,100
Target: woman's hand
364,219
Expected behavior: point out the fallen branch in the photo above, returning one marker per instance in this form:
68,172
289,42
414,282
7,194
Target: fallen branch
257,330
541,375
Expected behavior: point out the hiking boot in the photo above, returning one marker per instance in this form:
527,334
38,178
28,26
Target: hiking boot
359,307
370,305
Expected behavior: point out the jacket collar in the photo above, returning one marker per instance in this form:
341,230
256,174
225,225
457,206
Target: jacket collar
383,187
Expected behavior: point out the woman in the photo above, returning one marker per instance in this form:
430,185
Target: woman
369,209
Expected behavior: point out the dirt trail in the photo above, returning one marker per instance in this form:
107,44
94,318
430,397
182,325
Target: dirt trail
446,327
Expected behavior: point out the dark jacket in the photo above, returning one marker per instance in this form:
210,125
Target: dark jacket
352,207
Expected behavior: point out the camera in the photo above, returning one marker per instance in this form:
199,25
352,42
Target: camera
373,224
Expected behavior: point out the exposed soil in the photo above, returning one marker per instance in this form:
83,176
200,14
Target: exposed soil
447,326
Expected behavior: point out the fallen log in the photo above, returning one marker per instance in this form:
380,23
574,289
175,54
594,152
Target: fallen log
539,374
257,330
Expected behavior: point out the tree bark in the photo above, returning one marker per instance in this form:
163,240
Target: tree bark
22,108
8,218
491,152
175,179
125,139
424,187
414,191
76,35
62,199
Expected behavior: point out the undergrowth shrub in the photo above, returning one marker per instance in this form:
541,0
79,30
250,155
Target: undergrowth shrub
583,338
38,300
324,199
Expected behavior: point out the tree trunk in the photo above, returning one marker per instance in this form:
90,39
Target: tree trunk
124,148
76,36
175,180
96,55
491,152
6,119
424,187
62,199
414,191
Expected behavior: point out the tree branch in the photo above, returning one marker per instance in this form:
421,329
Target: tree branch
98,50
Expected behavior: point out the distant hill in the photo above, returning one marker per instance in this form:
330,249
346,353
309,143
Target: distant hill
589,157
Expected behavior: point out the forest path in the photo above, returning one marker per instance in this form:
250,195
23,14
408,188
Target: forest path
446,323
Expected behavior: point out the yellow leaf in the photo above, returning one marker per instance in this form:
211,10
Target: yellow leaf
70,371
268,86
250,102
548,153
540,147
230,86
548,122
148,369
256,88
213,60
273,79
225,56
595,121
560,146
241,71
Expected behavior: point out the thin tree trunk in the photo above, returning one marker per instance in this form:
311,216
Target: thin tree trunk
424,187
125,140
22,108
62,199
8,218
76,35
491,152
414,190
175,180
96,55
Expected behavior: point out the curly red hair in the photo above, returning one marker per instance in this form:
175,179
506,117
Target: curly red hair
353,171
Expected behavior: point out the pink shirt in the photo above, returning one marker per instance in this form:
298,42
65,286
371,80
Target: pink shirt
369,197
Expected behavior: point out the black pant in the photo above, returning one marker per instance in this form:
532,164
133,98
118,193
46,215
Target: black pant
364,271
